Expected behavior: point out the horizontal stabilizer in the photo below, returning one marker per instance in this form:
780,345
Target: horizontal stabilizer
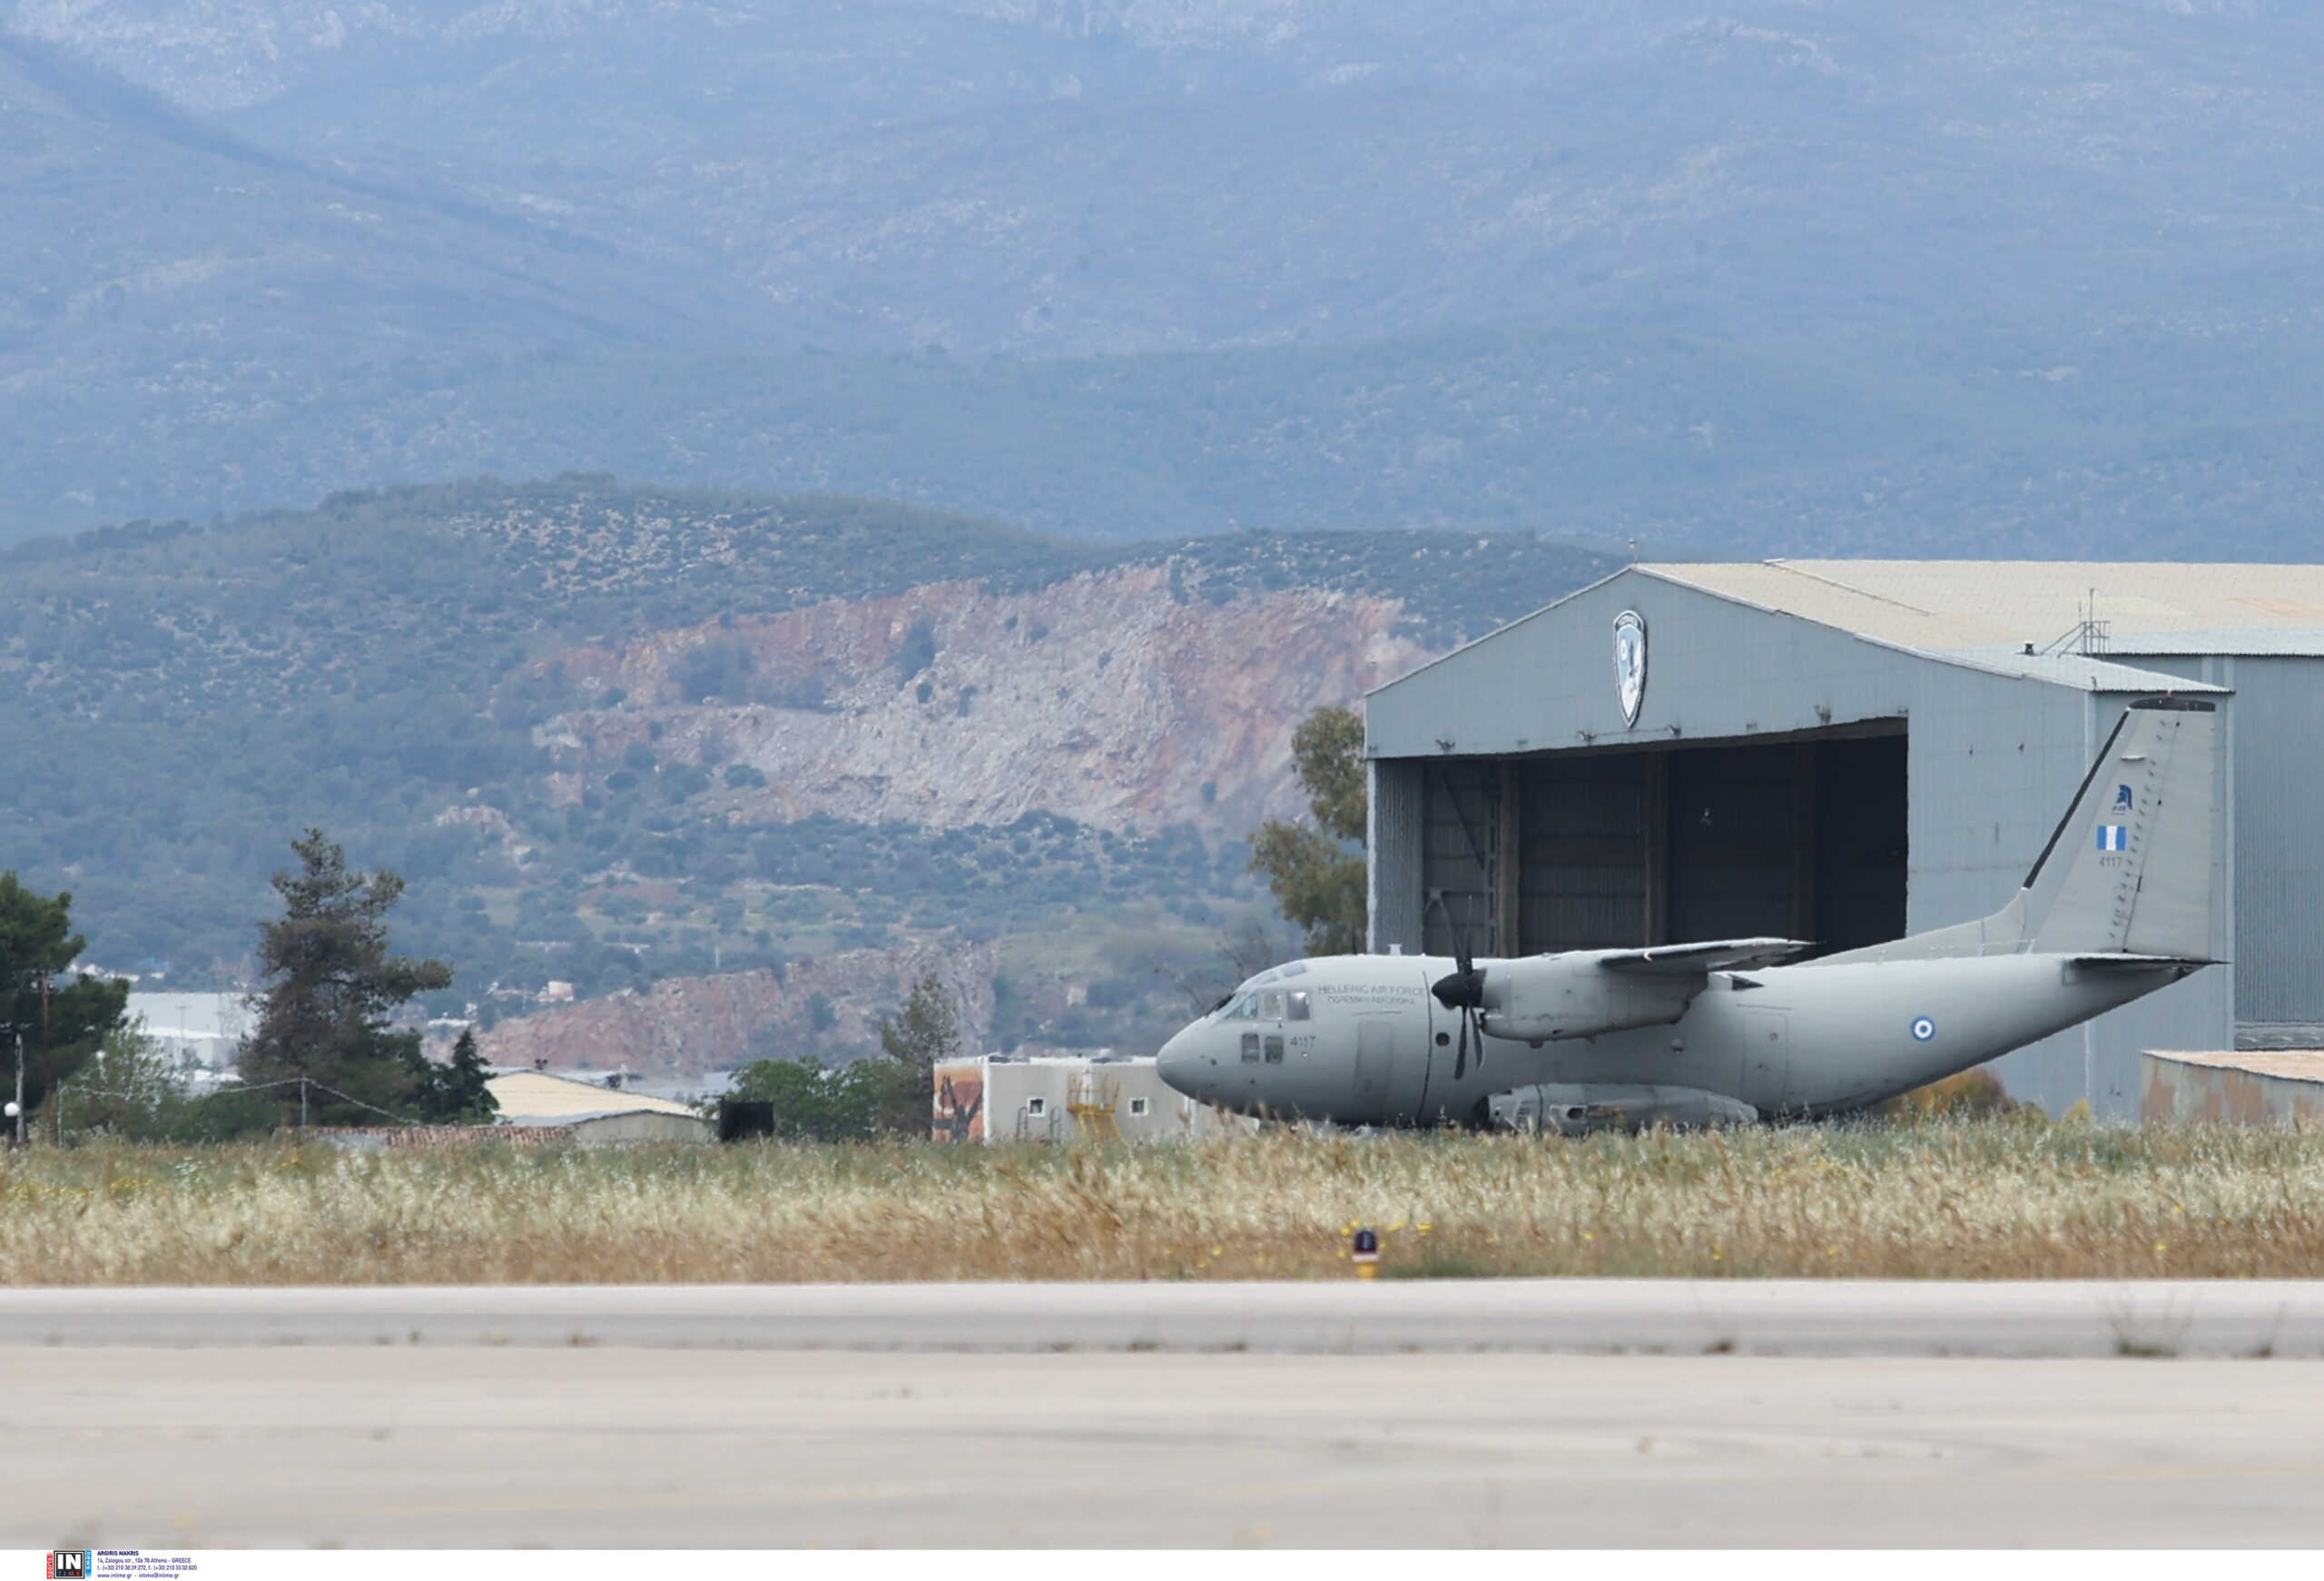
1693,960
2113,962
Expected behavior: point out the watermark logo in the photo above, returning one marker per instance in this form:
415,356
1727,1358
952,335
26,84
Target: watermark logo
69,1565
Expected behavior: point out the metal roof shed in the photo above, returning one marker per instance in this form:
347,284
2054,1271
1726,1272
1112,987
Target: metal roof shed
1850,751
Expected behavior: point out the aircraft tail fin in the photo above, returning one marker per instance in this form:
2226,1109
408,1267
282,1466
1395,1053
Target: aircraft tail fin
2129,870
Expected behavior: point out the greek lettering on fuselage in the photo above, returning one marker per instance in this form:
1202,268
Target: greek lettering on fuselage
1369,995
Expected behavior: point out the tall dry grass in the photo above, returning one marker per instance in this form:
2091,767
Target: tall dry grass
1938,1198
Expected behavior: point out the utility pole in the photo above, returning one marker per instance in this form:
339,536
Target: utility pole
302,1100
47,1079
19,1105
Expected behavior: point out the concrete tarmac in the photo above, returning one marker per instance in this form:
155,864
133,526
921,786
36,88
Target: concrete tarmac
1677,1317
601,1446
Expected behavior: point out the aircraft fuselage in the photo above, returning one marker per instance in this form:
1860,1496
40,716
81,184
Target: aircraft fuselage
1368,1044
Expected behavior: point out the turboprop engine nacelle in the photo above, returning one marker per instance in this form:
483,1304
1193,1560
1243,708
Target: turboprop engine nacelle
1544,998
1577,1108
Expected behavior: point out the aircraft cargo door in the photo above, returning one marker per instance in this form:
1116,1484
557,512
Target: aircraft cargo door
1375,1058
1766,1059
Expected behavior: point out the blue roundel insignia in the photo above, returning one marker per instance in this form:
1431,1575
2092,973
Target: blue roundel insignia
1923,1029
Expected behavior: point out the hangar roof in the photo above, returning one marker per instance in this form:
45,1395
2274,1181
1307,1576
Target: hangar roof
2285,1064
1999,605
541,1098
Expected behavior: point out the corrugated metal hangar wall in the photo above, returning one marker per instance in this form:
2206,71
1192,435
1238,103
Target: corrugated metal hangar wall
1787,775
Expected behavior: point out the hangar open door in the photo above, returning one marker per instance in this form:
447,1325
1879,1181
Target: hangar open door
1803,838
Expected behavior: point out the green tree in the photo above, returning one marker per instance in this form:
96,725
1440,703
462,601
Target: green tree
814,1102
1317,879
330,983
916,1040
126,1086
456,1094
61,1024
132,1089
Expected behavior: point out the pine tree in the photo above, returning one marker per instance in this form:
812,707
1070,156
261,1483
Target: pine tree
330,987
1317,873
36,945
925,1032
456,1094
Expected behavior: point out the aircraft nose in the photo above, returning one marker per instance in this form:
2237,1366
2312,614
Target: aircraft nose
1180,1064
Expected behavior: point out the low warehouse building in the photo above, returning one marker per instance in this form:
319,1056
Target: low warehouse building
2252,1087
1066,1098
1848,752
590,1113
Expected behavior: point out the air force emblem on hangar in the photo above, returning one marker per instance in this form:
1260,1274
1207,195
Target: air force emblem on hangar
1629,662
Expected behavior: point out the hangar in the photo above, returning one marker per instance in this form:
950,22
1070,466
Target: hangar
1850,751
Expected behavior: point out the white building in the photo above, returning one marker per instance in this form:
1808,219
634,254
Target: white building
1067,1098
206,1029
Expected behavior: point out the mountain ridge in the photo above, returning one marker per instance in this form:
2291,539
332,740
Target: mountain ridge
1155,270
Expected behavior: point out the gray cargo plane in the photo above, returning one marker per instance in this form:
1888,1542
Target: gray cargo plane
2117,905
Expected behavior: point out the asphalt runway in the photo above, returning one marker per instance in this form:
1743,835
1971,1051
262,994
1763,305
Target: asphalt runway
1673,1317
491,1446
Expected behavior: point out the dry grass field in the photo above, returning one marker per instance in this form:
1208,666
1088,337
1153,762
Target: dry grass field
1991,1197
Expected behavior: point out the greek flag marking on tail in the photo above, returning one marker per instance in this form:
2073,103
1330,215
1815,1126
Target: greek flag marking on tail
2113,836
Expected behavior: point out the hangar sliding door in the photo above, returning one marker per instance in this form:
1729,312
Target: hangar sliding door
1460,856
1581,830
1860,843
1802,838
1733,854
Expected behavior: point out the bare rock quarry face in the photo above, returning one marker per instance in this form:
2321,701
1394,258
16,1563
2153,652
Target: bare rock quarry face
1106,698
693,1026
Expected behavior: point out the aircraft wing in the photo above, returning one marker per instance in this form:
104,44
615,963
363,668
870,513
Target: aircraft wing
1694,960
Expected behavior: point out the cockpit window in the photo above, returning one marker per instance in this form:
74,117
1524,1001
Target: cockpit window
1270,1007
1296,1006
1243,1007
1295,969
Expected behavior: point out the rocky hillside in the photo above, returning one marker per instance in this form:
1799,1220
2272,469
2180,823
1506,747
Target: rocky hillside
695,1025
1103,699
615,738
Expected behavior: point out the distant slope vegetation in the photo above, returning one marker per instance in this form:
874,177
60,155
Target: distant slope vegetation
383,666
1978,279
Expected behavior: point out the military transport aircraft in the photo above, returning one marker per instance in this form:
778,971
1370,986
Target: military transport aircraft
2118,905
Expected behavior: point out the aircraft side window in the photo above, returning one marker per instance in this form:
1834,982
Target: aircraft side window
1297,1005
1270,1007
1250,1048
1136,1107
1274,1051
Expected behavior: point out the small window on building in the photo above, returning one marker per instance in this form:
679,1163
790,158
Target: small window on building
1270,1007
1297,1004
1136,1107
1036,1106
1250,1048
1274,1051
